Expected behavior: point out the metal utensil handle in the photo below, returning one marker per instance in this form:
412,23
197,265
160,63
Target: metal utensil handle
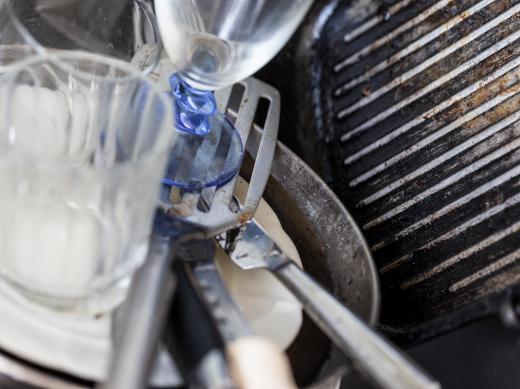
370,352
144,315
193,338
230,320
140,324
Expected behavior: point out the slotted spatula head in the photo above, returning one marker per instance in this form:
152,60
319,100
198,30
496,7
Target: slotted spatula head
212,210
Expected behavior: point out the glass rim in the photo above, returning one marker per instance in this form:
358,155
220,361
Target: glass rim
62,58
160,99
35,45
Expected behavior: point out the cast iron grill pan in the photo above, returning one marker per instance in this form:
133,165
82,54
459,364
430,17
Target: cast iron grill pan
409,110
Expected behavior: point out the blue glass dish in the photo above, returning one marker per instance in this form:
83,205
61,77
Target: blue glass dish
208,149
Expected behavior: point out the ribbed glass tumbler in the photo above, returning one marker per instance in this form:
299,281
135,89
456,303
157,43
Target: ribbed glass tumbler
83,145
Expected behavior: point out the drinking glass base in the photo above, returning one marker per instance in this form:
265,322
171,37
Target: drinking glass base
99,303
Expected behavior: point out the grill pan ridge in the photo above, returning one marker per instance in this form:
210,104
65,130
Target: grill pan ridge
410,110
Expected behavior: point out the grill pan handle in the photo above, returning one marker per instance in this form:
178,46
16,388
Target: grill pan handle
373,355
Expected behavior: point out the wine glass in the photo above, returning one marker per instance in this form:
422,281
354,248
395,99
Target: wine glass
214,44
122,29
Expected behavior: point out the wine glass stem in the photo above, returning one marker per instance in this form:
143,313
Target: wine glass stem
193,107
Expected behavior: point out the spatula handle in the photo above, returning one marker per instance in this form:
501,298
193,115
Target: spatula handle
376,357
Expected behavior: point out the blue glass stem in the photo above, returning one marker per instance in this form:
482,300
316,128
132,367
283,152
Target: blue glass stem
193,107
207,150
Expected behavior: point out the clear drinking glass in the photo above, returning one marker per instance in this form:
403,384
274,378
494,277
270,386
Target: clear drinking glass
83,144
123,29
10,54
13,46
214,44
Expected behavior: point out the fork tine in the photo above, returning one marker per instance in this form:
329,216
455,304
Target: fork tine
266,150
204,160
244,121
248,106
220,216
206,196
223,96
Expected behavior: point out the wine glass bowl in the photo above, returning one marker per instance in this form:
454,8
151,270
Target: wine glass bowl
121,29
214,44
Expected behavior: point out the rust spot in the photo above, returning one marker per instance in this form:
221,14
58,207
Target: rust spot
479,97
366,91
499,6
464,15
175,196
492,116
513,89
244,217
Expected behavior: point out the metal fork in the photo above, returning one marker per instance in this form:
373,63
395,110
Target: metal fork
253,248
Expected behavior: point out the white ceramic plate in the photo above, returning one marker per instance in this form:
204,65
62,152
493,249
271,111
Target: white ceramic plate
76,344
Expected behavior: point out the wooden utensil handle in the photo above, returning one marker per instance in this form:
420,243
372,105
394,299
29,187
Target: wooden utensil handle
258,363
